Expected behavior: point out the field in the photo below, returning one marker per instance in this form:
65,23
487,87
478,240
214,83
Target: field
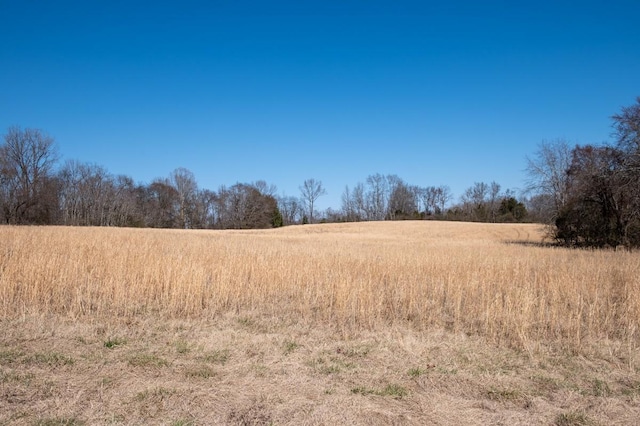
371,323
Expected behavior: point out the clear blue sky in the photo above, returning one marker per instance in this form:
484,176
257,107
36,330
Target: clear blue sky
236,91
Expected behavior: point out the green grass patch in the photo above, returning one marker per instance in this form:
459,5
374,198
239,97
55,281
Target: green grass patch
289,347
392,390
52,359
545,384
10,356
447,371
15,377
182,423
630,388
354,352
216,357
600,388
395,391
417,371
147,360
59,421
572,418
157,394
114,342
503,395
201,372
182,347
332,365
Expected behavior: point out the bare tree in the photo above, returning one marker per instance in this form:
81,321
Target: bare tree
186,187
428,199
494,198
359,201
123,209
474,201
87,190
290,208
162,205
627,132
311,190
443,197
265,188
434,199
403,203
349,204
27,187
71,199
627,129
243,206
205,211
377,197
547,172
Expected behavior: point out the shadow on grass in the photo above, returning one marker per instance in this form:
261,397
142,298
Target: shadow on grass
544,244
559,244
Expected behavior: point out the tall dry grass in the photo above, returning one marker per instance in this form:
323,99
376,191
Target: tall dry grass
473,278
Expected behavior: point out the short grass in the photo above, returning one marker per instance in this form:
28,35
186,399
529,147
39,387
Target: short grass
233,375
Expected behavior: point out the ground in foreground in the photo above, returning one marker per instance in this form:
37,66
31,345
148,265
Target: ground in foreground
247,369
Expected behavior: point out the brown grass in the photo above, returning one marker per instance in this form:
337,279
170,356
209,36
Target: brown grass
374,323
475,278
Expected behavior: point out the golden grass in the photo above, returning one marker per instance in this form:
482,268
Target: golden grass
492,280
374,323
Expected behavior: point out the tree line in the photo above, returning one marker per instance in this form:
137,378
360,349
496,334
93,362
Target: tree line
35,190
391,198
590,194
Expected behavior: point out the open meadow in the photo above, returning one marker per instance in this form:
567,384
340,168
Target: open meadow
413,322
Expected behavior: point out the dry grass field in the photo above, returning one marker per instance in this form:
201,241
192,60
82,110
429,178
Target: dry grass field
371,323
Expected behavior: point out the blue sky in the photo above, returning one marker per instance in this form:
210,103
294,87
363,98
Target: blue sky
236,91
